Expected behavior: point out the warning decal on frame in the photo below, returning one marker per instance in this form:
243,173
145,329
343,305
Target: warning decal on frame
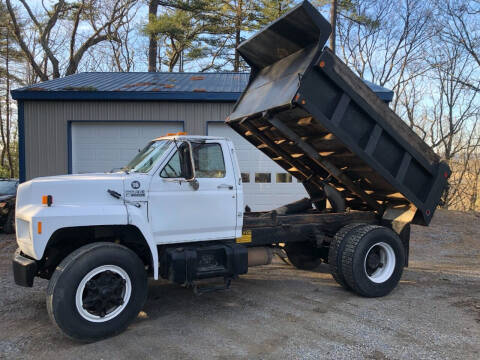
246,237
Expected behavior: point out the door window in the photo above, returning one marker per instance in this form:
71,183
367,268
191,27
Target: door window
173,169
208,159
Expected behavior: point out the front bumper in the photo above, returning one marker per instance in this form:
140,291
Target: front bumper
24,269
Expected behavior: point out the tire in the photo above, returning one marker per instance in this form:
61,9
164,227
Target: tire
83,283
303,255
335,252
373,260
9,226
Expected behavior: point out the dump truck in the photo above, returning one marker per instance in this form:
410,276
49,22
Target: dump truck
176,211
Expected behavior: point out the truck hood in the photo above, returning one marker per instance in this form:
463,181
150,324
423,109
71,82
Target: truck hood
72,190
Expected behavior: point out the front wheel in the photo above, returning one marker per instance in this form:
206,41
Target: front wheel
97,291
373,260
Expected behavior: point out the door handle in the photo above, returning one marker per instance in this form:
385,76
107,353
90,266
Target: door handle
225,186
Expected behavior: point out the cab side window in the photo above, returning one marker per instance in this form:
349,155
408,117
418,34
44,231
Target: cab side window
173,168
208,159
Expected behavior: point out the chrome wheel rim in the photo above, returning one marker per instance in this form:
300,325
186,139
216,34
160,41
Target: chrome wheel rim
379,262
103,293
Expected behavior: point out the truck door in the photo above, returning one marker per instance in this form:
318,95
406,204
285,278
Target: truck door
178,212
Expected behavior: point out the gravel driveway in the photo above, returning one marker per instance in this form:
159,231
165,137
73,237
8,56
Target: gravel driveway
278,312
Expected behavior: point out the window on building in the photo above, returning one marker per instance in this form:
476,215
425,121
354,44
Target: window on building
284,178
208,159
245,177
263,177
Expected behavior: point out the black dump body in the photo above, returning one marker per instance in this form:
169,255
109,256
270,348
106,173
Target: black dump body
307,111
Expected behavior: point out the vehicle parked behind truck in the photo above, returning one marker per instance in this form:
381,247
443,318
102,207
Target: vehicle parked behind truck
176,210
8,192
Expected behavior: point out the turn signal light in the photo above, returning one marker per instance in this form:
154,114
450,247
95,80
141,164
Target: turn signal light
39,227
47,200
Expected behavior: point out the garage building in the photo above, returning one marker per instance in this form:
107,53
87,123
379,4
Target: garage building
96,122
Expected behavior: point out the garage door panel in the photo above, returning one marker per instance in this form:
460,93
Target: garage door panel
259,196
103,146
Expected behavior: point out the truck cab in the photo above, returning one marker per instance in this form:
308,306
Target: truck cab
177,189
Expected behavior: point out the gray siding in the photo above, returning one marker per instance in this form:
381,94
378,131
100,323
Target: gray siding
46,124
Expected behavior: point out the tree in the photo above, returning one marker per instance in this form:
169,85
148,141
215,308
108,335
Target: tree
9,55
103,18
152,37
270,10
453,128
333,23
237,16
181,26
460,24
344,11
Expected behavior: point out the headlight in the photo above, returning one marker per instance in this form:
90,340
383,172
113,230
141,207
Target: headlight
23,229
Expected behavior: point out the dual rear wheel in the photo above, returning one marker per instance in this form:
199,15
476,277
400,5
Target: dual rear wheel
366,259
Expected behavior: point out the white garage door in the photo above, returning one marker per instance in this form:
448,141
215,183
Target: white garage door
103,146
265,184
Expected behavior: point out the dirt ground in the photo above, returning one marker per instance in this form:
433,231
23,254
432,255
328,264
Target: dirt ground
278,312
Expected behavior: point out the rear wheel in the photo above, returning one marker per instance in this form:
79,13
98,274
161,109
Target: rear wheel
336,249
373,260
97,291
303,255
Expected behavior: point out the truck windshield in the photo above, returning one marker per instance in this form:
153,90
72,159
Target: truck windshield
146,158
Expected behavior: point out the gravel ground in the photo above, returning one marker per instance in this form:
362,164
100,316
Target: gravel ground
278,312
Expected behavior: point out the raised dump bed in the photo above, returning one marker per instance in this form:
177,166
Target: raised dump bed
307,111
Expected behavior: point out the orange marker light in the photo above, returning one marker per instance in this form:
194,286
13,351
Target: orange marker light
322,64
181,133
47,200
39,227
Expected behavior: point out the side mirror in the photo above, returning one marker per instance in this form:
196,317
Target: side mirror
192,180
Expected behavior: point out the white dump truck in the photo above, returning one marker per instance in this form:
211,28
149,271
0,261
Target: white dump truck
176,210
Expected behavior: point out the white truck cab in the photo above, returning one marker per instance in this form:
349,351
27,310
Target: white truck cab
177,189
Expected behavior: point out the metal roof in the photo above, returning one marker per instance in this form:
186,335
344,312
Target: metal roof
220,86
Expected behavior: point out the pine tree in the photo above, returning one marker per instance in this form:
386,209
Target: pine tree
270,10
343,10
184,27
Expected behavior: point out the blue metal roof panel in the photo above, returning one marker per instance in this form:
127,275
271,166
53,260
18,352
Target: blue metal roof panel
221,86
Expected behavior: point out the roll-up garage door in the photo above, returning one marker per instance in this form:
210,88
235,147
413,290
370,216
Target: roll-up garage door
103,146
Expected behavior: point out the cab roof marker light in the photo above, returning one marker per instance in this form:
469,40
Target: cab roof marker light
47,200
